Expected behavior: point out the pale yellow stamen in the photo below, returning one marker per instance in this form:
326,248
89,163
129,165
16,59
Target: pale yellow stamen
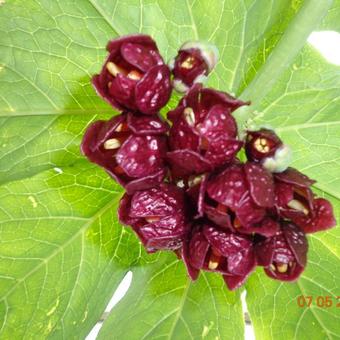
213,265
152,219
135,75
194,180
282,268
297,205
111,144
188,63
119,128
114,69
261,145
189,116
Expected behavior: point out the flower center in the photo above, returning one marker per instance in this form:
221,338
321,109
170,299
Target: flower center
112,144
214,261
261,145
297,205
114,69
152,219
189,116
188,63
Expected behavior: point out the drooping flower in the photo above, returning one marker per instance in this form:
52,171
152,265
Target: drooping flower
194,61
130,147
158,216
295,200
213,249
134,76
283,255
266,147
238,198
204,133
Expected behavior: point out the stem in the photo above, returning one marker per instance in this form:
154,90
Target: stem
293,39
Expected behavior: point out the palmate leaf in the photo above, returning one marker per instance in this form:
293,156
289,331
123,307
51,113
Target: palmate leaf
62,251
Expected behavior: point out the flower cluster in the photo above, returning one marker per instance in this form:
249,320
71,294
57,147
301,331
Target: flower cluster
187,189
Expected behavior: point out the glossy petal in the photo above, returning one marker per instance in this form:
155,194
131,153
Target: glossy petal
261,185
160,201
198,249
153,91
165,234
146,125
225,242
295,177
140,156
322,219
186,162
229,187
141,57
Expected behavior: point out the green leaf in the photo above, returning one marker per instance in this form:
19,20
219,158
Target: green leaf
163,302
276,304
62,250
59,251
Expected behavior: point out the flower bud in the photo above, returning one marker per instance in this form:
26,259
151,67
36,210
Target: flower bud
194,61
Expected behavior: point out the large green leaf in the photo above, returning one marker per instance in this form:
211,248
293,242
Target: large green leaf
62,251
163,303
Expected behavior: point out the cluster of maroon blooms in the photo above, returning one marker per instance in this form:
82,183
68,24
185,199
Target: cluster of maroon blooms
186,189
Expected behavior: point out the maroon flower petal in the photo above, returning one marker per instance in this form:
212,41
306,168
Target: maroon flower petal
153,91
297,242
160,201
220,218
261,185
225,242
210,97
167,233
143,183
284,194
295,177
141,57
242,263
198,249
322,219
192,271
183,136
142,39
188,162
234,281
122,89
249,213
266,227
140,156
229,187
124,210
146,125
222,151
218,123
103,91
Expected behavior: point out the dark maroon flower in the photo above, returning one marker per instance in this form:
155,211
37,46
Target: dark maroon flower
238,198
284,255
194,61
158,216
266,147
204,133
295,200
131,148
134,76
212,249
